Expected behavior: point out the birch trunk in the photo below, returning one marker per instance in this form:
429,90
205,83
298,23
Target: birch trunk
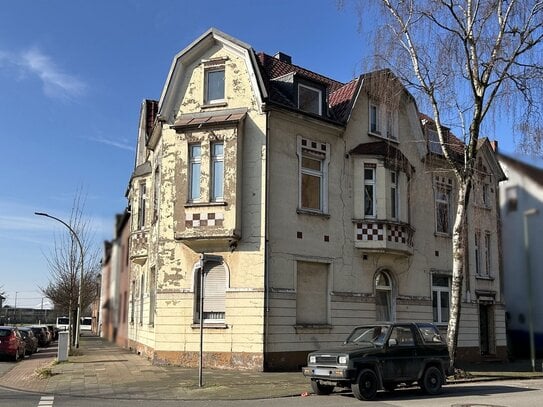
458,246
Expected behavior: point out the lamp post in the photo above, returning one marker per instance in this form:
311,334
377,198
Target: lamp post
527,213
78,321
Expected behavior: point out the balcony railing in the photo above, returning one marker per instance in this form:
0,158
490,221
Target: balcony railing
384,236
139,246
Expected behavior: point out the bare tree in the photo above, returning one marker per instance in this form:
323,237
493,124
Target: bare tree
467,62
64,262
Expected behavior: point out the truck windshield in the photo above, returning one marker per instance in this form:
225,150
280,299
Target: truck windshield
375,334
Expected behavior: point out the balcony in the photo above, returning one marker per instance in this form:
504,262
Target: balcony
139,246
384,236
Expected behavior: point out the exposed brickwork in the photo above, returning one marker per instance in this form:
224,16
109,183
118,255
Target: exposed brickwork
216,360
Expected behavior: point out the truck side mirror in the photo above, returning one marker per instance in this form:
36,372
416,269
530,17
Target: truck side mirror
392,342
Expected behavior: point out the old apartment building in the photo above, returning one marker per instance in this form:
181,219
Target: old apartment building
310,205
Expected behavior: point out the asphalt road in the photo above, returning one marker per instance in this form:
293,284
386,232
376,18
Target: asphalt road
510,393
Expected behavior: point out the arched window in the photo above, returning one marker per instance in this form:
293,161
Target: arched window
383,297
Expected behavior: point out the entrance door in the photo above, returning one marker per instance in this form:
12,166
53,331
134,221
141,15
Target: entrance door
486,329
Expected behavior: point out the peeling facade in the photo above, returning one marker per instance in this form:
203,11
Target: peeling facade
310,206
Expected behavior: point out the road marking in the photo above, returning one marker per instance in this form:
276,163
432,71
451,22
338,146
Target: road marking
46,401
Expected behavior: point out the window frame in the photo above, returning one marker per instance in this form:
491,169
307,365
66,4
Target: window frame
215,159
314,89
142,203
197,291
194,161
441,187
388,290
373,184
437,290
315,151
374,119
487,255
477,255
394,195
207,71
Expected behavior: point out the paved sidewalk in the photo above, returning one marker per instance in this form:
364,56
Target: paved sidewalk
104,370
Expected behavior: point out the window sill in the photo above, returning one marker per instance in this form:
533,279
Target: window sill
312,213
443,235
384,137
208,325
481,277
214,104
203,204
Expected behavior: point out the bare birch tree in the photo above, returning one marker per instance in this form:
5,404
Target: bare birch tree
64,262
468,62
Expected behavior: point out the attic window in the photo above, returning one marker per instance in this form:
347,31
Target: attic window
214,84
433,142
310,99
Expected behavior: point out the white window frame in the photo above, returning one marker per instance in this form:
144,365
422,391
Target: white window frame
373,184
477,246
197,291
156,193
316,151
142,204
214,196
152,295
438,289
388,290
193,162
485,194
374,125
382,121
394,195
319,98
208,70
487,254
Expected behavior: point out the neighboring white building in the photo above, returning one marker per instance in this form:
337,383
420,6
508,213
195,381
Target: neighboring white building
325,205
519,196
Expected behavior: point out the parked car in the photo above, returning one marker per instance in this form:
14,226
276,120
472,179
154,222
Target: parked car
86,324
54,331
42,335
30,340
381,356
12,343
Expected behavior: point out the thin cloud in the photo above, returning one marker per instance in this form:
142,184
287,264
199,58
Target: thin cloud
114,143
33,62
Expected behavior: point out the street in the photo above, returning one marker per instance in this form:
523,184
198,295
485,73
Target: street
517,393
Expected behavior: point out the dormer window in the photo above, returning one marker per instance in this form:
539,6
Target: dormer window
214,84
309,99
433,142
383,122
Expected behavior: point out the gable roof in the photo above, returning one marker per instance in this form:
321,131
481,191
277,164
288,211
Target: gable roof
531,171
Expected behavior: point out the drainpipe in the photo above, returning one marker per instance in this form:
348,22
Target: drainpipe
266,241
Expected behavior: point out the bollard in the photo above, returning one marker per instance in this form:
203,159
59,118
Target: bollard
63,342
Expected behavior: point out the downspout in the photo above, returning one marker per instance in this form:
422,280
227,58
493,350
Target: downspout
266,242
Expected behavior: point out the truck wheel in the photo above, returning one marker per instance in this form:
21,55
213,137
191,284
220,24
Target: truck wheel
321,389
432,380
366,385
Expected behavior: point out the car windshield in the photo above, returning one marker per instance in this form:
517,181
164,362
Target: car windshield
375,334
5,332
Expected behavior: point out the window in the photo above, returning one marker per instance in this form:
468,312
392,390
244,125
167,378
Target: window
375,125
391,134
393,195
311,293
486,194
215,282
141,205
441,292
217,172
511,198
309,99
313,166
403,336
142,286
133,302
195,166
442,198
477,244
152,296
214,85
487,256
156,191
369,191
383,297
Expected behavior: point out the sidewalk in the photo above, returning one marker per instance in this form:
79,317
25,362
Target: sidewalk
105,370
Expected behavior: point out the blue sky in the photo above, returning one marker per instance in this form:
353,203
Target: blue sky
72,76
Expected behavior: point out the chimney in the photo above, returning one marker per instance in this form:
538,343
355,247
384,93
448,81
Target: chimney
494,145
283,57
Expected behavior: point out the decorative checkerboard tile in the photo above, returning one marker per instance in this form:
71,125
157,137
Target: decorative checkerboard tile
397,234
370,231
377,231
196,220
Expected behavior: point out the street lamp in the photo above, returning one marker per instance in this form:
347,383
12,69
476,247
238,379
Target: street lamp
529,212
78,321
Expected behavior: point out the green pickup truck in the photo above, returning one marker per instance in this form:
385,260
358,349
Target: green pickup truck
381,356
